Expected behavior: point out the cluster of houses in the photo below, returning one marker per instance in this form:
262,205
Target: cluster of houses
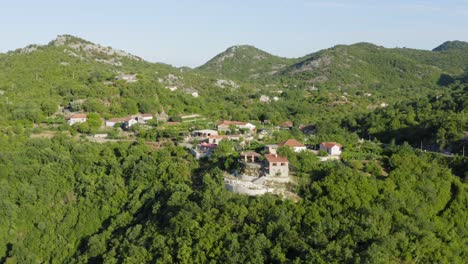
274,165
260,174
254,164
208,139
257,172
125,122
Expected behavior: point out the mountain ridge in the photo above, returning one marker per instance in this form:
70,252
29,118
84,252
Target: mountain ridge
214,64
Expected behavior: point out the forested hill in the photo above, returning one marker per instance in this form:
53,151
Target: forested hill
352,65
246,62
451,45
362,65
451,56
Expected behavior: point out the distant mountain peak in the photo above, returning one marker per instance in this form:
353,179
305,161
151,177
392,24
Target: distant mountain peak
450,45
88,47
245,61
65,40
241,51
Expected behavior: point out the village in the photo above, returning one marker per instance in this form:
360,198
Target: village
258,171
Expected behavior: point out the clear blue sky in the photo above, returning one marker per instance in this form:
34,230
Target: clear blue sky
189,32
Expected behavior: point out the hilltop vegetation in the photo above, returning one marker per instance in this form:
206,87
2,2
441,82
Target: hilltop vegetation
244,62
452,45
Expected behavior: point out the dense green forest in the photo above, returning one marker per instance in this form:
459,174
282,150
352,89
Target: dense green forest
399,196
68,201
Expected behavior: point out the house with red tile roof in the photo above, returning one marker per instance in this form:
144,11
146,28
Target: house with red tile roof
276,166
332,148
146,117
77,118
111,122
293,144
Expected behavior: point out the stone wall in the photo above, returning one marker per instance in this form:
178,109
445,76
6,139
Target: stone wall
251,169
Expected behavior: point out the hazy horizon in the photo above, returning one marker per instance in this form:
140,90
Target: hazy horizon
188,33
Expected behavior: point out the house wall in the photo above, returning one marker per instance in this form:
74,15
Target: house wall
247,126
130,123
278,170
323,148
271,149
214,140
335,150
72,121
110,124
223,128
299,149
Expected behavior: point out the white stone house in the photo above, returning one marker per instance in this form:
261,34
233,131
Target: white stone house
276,166
77,118
129,122
293,144
146,117
332,148
111,122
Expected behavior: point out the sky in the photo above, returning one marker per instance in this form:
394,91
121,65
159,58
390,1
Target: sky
189,32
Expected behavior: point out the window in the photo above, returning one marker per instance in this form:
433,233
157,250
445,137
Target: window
283,164
274,164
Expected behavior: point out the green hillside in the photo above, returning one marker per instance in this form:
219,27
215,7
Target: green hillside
450,57
76,74
363,66
246,62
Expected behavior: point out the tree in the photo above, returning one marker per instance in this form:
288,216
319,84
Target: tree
49,107
441,138
94,121
130,106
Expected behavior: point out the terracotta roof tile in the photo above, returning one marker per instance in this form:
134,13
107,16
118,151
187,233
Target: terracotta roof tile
330,144
275,158
217,136
79,116
291,143
250,153
228,123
